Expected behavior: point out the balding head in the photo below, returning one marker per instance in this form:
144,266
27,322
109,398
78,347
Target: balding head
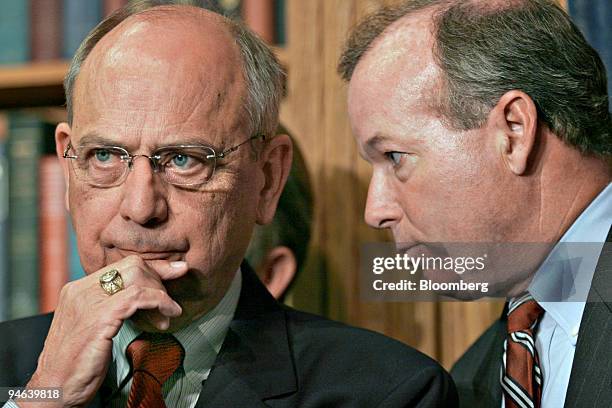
151,61
261,72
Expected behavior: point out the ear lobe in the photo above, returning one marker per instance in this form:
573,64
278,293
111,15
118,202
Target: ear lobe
278,270
516,120
62,138
275,165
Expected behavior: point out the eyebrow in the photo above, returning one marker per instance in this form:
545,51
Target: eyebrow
96,139
376,140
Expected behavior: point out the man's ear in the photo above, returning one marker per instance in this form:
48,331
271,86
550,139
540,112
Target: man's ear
62,138
275,164
277,270
515,122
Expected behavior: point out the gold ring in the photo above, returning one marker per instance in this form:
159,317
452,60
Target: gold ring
111,282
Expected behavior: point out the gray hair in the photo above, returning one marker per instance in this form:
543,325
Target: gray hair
485,49
263,74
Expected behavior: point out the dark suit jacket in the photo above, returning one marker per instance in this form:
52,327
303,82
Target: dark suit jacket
477,371
274,356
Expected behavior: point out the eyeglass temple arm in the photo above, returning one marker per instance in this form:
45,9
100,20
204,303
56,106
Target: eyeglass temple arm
234,148
66,156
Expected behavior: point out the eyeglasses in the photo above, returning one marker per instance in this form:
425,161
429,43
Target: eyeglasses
181,165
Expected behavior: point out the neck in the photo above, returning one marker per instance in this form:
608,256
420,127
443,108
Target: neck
565,183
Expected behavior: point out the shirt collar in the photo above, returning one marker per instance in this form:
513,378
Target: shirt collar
561,283
202,339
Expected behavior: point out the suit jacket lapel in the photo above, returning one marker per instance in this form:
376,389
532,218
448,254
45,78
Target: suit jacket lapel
591,377
255,360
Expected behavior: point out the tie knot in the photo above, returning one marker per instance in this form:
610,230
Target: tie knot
156,354
523,313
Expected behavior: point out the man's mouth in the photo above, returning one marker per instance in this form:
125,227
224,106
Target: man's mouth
153,255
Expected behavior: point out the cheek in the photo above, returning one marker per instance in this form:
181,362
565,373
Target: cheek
219,228
453,196
91,211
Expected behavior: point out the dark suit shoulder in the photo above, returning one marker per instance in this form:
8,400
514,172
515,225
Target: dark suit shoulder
387,372
21,343
476,373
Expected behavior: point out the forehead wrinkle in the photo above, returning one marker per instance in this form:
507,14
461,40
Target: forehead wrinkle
218,92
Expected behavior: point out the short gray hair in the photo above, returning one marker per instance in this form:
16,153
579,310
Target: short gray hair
263,74
485,49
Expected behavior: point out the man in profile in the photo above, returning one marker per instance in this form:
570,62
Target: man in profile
170,158
488,122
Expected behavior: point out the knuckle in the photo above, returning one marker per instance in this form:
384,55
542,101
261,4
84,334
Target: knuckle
134,260
66,290
135,292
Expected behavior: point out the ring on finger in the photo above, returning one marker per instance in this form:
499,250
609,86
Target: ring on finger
111,282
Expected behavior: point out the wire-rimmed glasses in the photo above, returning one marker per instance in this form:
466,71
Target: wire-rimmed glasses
180,165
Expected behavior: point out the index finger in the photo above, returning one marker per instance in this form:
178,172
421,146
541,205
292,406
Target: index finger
168,270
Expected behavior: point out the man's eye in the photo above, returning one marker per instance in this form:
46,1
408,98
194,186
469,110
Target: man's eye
102,155
394,157
180,160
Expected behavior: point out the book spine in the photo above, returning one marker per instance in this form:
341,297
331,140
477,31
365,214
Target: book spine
280,18
14,31
46,33
25,145
110,6
4,197
53,233
79,18
259,16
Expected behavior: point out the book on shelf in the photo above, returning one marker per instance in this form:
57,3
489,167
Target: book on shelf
14,31
110,6
259,16
53,235
4,197
79,17
25,143
46,29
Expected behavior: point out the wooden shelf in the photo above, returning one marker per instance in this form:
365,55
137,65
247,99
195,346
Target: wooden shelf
30,85
40,84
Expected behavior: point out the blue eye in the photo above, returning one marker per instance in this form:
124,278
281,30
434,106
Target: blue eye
102,155
180,160
394,157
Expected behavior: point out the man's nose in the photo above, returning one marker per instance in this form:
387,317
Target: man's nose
144,194
382,209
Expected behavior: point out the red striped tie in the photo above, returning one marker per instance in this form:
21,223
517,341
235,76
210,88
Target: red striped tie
154,358
521,377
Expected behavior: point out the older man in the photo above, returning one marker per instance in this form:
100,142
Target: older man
170,161
487,121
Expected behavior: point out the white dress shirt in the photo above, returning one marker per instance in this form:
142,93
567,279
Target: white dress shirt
561,286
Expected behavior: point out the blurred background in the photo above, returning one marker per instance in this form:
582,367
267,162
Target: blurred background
38,254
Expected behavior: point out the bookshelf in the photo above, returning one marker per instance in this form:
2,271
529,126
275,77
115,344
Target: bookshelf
32,85
40,84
